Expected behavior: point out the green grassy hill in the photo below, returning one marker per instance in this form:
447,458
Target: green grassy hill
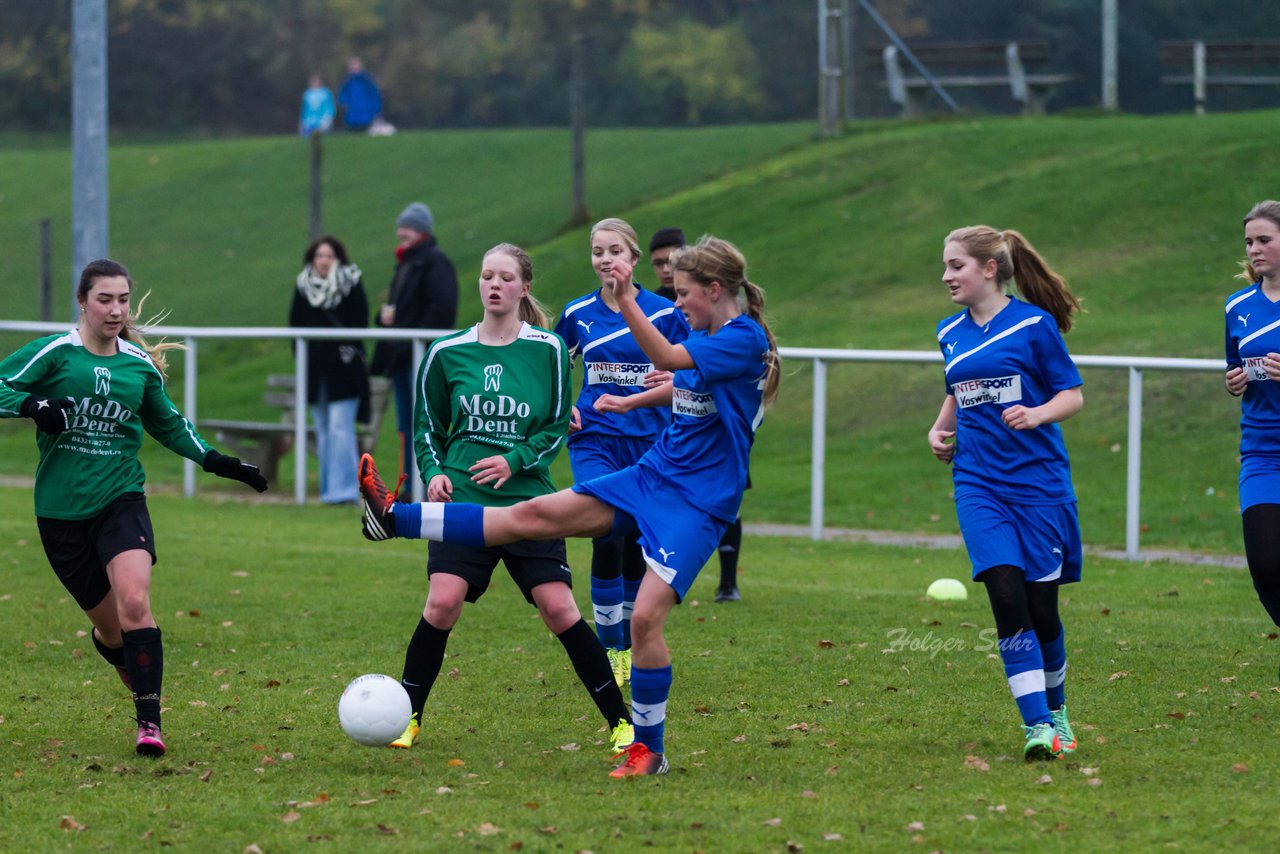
1141,214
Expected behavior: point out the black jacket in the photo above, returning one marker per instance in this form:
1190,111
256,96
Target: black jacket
424,291
338,364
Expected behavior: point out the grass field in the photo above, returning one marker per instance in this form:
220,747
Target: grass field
1142,214
834,708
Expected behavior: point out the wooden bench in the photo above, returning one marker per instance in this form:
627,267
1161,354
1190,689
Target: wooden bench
1234,63
971,65
263,443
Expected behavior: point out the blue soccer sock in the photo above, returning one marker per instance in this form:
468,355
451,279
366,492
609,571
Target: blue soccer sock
440,521
630,587
650,687
606,605
1055,670
1024,668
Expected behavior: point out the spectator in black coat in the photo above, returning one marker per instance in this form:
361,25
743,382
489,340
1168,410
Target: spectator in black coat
423,295
329,295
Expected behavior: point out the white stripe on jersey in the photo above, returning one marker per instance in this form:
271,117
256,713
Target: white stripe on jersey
1240,299
626,330
570,309
1030,321
952,325
68,340
1248,338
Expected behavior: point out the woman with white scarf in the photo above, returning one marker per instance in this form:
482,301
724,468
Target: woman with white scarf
328,295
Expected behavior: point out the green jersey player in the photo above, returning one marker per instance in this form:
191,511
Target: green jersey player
91,392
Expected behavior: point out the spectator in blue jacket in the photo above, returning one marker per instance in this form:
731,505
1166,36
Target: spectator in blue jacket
317,108
359,97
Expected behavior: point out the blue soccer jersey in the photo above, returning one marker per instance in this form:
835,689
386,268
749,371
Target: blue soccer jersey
716,407
1253,331
1018,357
613,362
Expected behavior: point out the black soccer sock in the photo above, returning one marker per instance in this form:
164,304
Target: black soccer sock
592,666
144,661
730,546
1262,549
422,662
114,656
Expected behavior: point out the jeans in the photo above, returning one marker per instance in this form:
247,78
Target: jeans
337,449
402,386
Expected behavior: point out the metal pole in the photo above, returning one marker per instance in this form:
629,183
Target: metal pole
911,57
1110,67
1198,75
817,485
417,488
46,270
847,57
300,422
189,409
317,185
1133,481
88,136
824,123
578,125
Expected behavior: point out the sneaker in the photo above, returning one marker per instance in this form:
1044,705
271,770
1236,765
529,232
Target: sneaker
410,734
620,661
1042,743
728,594
640,761
150,743
621,738
1062,727
377,522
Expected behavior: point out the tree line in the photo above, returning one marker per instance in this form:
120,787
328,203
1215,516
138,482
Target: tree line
239,66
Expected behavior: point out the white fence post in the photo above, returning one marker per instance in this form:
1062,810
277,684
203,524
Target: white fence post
300,421
189,410
1133,482
817,472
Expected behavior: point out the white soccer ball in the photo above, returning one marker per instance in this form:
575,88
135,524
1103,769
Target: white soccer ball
374,710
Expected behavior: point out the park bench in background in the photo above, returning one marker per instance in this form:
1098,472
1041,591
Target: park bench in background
1233,63
958,65
263,443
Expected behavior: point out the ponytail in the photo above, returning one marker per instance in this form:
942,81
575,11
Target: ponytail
533,313
772,361
1016,259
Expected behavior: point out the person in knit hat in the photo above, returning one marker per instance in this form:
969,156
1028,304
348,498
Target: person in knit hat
423,295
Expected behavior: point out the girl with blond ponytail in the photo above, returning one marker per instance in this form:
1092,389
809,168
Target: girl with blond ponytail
725,374
91,392
1010,381
1253,374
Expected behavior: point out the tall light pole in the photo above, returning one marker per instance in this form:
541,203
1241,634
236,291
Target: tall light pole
1110,49
88,136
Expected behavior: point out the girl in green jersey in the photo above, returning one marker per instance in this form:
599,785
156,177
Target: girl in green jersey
91,392
493,407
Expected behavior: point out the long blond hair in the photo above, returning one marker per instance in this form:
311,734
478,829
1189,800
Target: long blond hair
530,311
105,268
1018,260
712,259
1268,210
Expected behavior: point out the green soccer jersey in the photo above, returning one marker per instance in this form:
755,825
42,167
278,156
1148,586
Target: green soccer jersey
113,398
475,401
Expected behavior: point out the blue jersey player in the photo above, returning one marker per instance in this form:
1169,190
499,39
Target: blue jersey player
726,372
602,442
1009,382
1253,371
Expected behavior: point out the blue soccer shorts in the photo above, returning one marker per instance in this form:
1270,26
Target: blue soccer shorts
1043,540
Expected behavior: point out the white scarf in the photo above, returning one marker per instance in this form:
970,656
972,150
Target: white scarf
326,293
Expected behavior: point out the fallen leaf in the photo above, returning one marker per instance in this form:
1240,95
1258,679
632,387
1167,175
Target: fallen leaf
1119,674
916,825
1240,768
487,829
773,822
386,831
252,849
364,803
571,746
1000,808
1094,781
272,683
738,739
444,790
826,644
794,847
204,778
240,573
808,793
549,831
291,816
977,763
69,823
1177,716
843,682
1028,812
532,805
1044,780
832,837
456,763
1227,679
802,727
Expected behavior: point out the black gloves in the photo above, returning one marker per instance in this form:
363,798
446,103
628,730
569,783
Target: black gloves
232,469
50,414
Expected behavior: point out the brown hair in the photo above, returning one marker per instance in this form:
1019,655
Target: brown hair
1016,259
339,251
105,268
1268,210
714,260
531,311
